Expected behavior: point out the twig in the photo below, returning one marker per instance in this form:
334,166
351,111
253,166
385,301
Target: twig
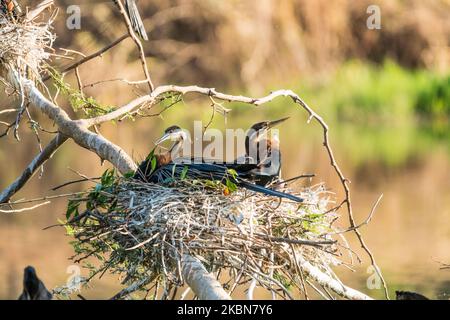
25,209
90,57
72,182
42,198
138,43
368,219
302,176
29,171
6,111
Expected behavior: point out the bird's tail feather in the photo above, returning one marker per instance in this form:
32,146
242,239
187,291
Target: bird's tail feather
136,19
270,192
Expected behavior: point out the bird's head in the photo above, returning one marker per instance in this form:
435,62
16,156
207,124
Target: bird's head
266,125
259,130
173,133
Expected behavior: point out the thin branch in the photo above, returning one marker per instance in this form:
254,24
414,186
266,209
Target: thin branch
6,111
129,82
90,57
73,182
34,165
22,201
138,43
25,209
368,219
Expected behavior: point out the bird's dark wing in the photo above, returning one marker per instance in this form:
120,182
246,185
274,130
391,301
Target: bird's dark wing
212,172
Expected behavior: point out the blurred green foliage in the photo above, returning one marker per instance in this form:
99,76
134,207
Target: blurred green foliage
387,114
433,104
378,114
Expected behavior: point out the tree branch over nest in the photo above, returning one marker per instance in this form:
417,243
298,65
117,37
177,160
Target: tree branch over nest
78,130
204,284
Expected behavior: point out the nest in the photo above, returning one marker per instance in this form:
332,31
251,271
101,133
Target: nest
24,48
142,230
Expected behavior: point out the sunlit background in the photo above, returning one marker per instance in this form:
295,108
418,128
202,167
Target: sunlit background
385,93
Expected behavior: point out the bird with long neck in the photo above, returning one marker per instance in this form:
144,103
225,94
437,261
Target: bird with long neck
155,161
262,154
161,167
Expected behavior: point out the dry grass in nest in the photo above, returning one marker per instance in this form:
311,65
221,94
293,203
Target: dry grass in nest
24,48
141,231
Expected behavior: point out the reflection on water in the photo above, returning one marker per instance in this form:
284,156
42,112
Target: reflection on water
408,235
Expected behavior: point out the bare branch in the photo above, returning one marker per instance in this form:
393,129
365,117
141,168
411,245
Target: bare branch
137,42
25,209
328,282
92,56
30,170
6,111
203,283
79,132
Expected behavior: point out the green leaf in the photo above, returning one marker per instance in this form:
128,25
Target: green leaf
129,175
153,167
231,186
184,172
72,209
150,155
211,184
233,173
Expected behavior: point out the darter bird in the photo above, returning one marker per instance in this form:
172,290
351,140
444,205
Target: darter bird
135,18
269,159
262,159
33,287
158,168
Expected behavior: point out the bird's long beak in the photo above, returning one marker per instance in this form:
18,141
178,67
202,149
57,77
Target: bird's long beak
165,137
272,124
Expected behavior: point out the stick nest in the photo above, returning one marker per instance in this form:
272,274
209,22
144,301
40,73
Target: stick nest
142,230
25,46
